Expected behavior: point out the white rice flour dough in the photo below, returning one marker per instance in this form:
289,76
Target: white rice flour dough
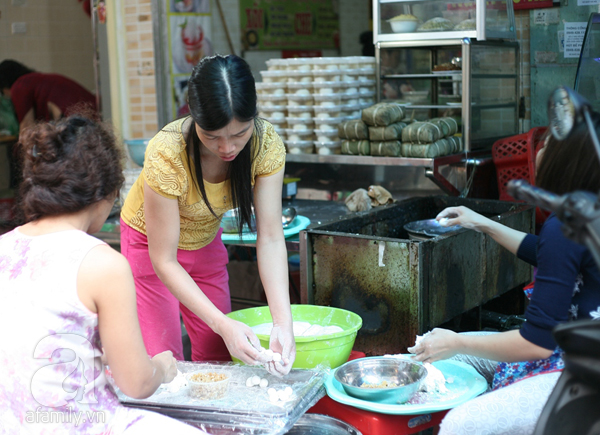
301,329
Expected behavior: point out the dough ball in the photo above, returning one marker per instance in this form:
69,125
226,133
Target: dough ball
264,383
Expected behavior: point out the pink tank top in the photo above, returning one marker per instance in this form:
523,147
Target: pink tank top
51,376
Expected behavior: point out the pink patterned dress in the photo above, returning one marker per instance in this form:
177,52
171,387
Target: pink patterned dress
51,377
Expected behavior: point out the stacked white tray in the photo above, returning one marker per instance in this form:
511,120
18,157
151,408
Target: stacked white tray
306,98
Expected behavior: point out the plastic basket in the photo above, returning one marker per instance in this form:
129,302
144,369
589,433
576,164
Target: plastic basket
514,158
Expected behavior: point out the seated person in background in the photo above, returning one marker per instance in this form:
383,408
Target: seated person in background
525,364
41,96
65,295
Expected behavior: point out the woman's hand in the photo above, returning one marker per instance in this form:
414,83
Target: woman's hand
282,341
167,364
241,341
436,345
463,216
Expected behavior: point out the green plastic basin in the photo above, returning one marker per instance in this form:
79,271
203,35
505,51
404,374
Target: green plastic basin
331,350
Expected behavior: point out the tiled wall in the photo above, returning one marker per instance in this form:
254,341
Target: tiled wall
141,84
58,37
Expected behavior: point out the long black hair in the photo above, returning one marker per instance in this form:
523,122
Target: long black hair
571,164
220,89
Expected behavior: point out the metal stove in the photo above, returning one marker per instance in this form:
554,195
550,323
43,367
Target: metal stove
401,287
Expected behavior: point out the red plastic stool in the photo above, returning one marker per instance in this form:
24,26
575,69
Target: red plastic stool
373,423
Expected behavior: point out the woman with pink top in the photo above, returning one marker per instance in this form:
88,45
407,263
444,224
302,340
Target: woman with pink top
66,296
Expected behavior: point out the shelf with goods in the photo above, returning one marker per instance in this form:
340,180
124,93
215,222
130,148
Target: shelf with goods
484,96
452,57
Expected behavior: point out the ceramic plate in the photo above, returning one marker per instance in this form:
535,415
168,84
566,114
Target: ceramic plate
298,224
466,384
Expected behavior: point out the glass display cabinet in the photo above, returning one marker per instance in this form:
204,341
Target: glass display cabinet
444,58
418,20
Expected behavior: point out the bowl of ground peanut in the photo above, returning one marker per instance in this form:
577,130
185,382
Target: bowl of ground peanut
381,379
209,384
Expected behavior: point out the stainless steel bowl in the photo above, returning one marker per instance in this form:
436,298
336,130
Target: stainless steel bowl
406,374
427,229
317,424
229,222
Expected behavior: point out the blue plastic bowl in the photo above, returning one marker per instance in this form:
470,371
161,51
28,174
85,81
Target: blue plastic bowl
137,149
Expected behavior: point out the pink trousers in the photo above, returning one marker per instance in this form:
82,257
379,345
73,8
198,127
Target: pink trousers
159,311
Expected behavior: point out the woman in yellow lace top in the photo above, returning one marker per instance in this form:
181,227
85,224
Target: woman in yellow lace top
195,169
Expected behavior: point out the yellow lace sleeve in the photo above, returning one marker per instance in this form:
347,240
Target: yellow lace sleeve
271,153
163,168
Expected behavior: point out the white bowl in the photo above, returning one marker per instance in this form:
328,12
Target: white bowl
403,26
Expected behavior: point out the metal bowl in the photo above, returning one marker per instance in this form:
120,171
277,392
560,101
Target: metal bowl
406,374
312,424
229,222
427,229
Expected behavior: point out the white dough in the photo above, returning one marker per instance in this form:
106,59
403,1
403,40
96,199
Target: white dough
279,92
303,92
255,380
324,151
177,383
272,392
281,395
443,222
301,329
300,127
434,382
323,115
263,383
269,353
249,382
288,391
276,357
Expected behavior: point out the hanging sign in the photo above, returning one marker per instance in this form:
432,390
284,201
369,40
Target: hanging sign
289,25
531,4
